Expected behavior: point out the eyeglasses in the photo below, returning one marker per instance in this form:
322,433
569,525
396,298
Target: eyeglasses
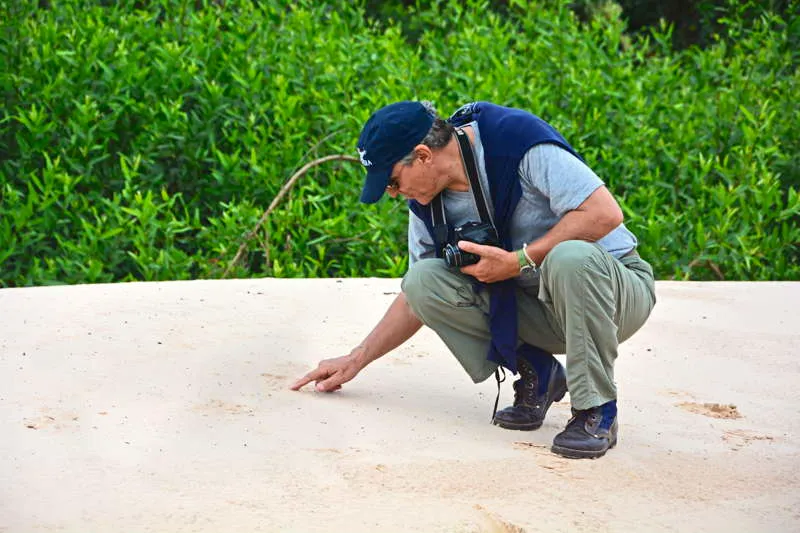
393,184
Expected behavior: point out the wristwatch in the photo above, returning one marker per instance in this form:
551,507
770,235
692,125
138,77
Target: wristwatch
525,262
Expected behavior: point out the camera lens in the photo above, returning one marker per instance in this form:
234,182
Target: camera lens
452,256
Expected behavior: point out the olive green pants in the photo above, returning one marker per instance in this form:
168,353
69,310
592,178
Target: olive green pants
585,304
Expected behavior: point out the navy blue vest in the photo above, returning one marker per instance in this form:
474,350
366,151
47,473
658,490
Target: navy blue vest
506,134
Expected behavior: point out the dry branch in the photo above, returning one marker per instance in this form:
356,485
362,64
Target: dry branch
297,175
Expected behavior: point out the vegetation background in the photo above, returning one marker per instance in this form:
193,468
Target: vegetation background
143,140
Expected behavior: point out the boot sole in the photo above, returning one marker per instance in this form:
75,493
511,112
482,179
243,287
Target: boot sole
570,453
532,425
518,427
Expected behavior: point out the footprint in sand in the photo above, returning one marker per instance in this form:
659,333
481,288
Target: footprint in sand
714,410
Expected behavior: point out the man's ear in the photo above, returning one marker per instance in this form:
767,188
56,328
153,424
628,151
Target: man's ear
424,152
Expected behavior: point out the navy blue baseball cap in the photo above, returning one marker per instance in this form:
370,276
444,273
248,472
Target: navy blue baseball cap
390,134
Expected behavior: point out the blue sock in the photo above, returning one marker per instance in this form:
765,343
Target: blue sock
541,361
609,410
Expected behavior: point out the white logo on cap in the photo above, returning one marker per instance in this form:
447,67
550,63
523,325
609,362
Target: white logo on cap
364,161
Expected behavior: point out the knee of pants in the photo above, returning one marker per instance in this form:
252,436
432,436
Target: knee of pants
420,280
568,257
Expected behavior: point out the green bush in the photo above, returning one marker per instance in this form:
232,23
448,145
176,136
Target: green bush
143,140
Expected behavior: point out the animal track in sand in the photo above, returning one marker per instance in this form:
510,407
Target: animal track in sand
714,410
546,460
739,438
281,376
528,445
494,524
677,394
275,381
335,451
221,407
52,419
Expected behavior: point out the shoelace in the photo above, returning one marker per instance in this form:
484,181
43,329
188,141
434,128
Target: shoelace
499,381
519,392
585,417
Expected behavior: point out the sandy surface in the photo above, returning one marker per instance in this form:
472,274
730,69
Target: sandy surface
163,407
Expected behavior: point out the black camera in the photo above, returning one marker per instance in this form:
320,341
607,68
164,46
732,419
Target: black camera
477,232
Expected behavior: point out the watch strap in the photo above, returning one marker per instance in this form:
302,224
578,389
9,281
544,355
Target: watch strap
522,254
523,262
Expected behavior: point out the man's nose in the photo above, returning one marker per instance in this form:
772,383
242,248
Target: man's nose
392,192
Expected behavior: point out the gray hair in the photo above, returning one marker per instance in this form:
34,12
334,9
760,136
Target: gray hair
437,137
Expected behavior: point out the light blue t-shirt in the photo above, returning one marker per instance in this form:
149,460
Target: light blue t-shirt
553,182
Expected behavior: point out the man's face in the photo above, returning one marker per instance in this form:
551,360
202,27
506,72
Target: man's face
413,181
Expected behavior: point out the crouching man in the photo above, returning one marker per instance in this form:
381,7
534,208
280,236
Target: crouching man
517,251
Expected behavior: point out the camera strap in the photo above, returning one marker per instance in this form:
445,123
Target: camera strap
441,231
468,158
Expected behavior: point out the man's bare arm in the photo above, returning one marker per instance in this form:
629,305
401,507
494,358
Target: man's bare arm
595,218
397,326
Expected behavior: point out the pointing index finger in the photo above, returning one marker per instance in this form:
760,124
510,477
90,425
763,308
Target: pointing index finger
305,380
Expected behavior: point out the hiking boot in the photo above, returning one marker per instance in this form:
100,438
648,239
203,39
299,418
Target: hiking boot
589,434
529,408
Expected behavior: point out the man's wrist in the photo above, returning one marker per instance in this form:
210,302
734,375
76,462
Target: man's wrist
359,356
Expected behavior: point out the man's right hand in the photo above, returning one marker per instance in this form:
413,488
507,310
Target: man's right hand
330,374
396,327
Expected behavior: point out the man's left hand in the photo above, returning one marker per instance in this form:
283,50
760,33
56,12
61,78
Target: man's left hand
495,265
